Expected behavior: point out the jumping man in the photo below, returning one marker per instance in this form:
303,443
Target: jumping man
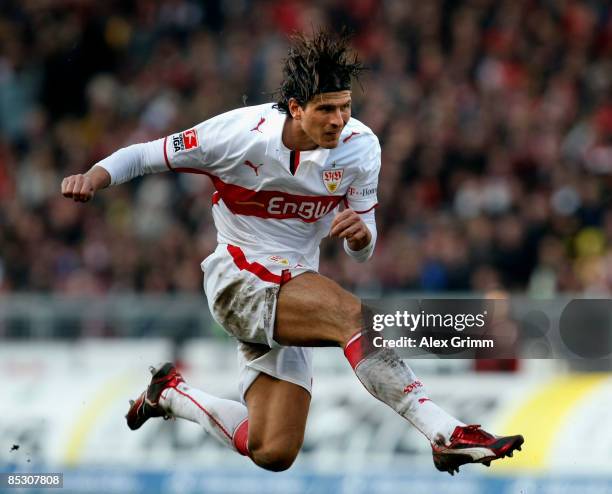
281,172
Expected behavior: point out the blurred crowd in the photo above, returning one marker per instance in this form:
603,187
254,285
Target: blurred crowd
494,117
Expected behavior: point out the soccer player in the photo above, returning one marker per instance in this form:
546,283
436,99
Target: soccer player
282,172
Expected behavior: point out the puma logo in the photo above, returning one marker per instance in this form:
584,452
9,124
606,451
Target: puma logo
256,128
254,167
348,138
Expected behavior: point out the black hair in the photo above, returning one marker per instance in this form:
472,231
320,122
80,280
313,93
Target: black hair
321,64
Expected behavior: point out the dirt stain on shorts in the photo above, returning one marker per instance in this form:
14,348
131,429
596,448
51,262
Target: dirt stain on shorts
246,310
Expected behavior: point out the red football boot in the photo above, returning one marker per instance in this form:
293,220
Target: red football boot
147,405
471,444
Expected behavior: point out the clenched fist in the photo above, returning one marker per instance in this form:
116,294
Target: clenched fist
82,187
349,225
78,187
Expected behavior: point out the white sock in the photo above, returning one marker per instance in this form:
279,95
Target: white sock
390,380
219,417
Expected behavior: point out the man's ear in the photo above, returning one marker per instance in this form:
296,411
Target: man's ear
295,109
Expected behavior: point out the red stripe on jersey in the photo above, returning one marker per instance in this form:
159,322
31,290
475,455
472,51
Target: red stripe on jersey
215,198
294,161
257,269
348,138
274,204
367,210
184,169
297,161
166,155
267,203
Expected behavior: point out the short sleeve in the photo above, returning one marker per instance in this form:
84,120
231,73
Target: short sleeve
362,193
197,149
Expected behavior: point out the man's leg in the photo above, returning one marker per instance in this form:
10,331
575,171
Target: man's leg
315,311
270,429
168,395
271,432
277,419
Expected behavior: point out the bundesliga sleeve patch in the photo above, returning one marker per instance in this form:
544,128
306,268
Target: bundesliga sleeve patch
185,141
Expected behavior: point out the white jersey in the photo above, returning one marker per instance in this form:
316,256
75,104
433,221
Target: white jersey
268,198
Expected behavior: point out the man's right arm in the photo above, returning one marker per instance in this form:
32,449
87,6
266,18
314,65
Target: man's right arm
121,166
83,186
197,148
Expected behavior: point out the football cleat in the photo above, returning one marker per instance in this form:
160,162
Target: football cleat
471,444
147,405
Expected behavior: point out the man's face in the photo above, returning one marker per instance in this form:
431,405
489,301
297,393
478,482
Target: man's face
324,117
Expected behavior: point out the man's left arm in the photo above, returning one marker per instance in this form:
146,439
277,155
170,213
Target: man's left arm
357,223
358,231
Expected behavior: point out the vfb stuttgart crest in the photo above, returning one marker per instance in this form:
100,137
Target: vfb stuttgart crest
332,179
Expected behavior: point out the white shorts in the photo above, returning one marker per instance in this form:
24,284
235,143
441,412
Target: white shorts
242,291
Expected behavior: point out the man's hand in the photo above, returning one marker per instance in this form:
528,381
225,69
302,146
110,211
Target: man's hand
349,225
82,187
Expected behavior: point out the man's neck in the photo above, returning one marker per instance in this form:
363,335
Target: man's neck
295,138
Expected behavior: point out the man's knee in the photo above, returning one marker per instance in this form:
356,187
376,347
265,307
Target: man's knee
353,319
277,455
